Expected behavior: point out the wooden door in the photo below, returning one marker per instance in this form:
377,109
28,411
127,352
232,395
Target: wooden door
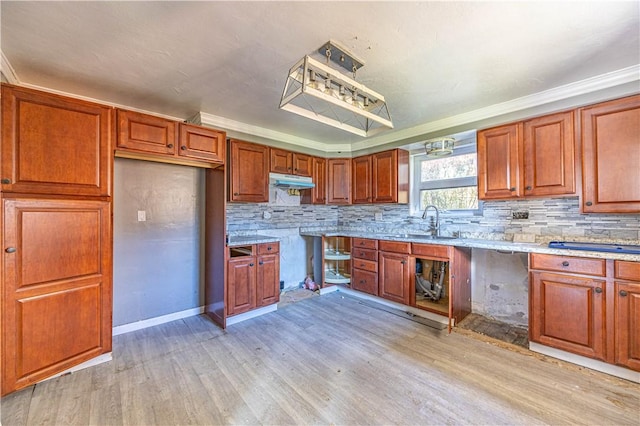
54,145
459,285
361,169
568,312
499,156
549,159
302,165
146,133
57,298
365,281
280,161
268,280
201,143
611,156
393,277
241,284
318,194
339,181
627,327
249,164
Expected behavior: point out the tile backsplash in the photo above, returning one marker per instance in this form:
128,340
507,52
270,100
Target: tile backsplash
548,219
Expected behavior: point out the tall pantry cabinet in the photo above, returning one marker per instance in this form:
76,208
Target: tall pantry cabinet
56,268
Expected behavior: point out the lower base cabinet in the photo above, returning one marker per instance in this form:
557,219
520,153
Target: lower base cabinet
253,277
627,314
394,277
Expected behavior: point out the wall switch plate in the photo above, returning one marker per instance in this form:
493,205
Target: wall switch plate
142,216
266,215
377,216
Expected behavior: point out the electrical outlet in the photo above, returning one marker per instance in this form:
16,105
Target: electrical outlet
377,216
520,215
142,216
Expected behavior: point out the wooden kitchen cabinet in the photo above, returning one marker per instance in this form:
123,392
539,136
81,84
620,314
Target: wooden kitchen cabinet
339,181
57,288
627,314
364,262
287,162
148,134
253,278
393,278
531,158
317,194
611,156
381,178
54,145
336,260
249,172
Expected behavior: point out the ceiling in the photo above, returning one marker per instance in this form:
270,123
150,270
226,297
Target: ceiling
229,60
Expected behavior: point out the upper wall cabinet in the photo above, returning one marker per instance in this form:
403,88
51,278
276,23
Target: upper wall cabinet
54,145
317,194
339,181
611,156
287,162
381,178
531,158
248,172
148,134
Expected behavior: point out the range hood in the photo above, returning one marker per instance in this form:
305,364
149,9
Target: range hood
290,181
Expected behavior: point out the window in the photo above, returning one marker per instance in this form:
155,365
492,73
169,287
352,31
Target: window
449,183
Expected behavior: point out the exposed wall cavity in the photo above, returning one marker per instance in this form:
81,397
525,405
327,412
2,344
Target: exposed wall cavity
156,262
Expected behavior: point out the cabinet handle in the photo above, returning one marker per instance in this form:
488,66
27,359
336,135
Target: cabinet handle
513,188
623,293
404,262
362,265
235,194
269,248
251,264
5,180
183,147
528,188
598,290
170,145
10,249
260,263
589,203
565,263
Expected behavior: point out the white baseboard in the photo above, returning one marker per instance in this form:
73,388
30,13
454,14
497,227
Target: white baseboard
593,364
139,325
329,289
90,363
251,314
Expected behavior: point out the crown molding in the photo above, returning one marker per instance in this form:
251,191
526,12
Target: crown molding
7,70
238,126
593,84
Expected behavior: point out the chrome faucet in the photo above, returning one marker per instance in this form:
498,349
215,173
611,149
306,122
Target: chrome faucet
434,224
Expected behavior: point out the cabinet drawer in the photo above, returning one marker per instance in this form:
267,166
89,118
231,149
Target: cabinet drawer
627,270
430,250
365,281
395,246
365,243
360,253
367,265
268,248
568,264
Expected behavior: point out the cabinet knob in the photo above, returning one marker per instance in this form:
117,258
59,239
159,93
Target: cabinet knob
10,249
261,263
5,180
251,264
170,145
528,188
269,248
183,147
404,262
565,263
598,290
588,203
623,293
513,188
362,265
235,194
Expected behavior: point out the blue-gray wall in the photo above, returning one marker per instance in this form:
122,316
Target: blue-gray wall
156,263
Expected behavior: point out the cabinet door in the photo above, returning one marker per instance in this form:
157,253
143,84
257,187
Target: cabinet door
280,161
549,155
499,154
627,328
394,277
54,145
302,165
268,280
390,177
365,281
567,313
318,194
611,157
249,164
339,181
241,285
146,133
56,309
200,143
361,169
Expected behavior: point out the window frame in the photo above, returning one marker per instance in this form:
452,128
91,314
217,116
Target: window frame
416,185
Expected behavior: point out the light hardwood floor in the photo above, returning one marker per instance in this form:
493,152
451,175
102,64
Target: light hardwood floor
324,360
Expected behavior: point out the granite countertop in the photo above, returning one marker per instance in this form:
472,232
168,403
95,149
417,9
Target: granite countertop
243,240
477,243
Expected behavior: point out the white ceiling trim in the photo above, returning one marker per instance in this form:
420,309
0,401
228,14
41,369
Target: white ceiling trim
600,82
7,70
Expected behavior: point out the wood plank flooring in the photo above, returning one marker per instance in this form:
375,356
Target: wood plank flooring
323,360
